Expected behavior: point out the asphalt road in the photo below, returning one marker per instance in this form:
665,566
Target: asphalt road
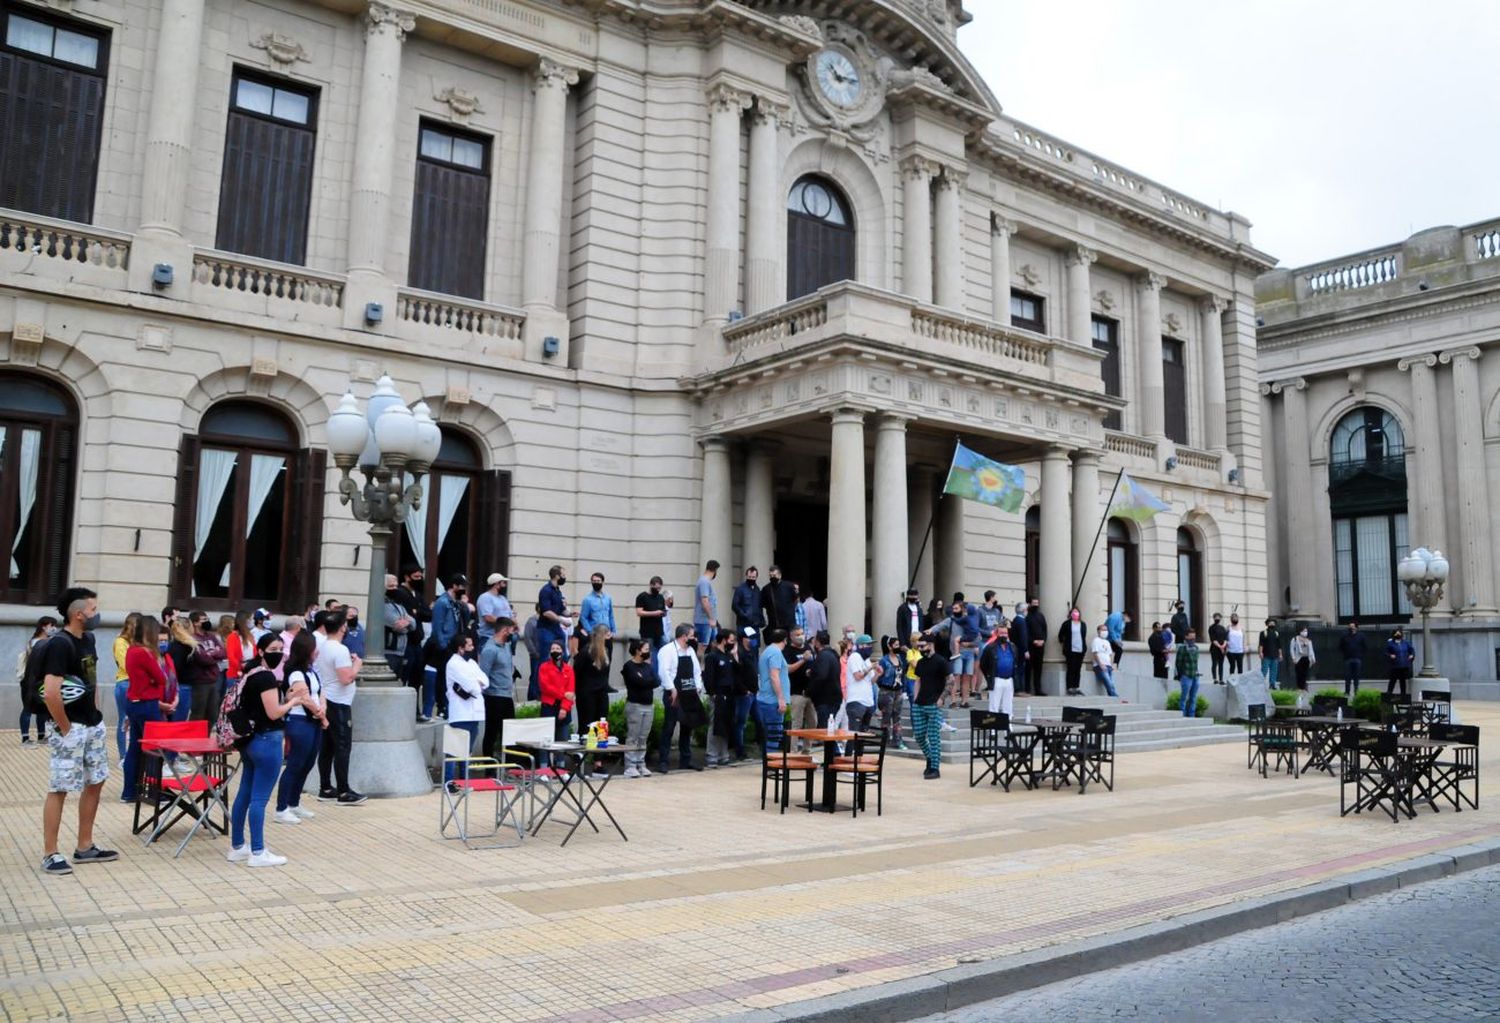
1426,953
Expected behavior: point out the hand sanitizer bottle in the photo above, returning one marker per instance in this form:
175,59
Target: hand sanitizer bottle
1028,713
1341,712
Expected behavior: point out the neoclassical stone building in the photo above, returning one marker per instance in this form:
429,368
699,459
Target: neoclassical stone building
1380,385
680,279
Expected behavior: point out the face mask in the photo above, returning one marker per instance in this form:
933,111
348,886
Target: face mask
1075,616
502,588
91,622
557,656
562,580
656,589
353,623
390,592
162,646
598,587
271,659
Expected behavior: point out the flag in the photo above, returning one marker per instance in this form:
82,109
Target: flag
989,482
1135,502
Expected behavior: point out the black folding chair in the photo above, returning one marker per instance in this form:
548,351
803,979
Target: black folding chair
1370,763
1274,744
986,733
1328,706
1457,765
1255,712
1098,739
1406,718
1438,707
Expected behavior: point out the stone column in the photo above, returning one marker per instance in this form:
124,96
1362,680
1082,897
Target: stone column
544,185
1080,325
1302,534
374,157
916,228
1000,231
760,508
169,126
948,241
948,536
919,509
1148,345
846,519
1056,571
1478,577
1215,414
888,518
725,104
1430,525
765,276
1087,571
714,535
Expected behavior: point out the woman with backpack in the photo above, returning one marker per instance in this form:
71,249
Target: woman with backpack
263,704
304,725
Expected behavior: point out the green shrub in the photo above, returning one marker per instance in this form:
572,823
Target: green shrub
1366,704
1330,693
1174,702
1284,697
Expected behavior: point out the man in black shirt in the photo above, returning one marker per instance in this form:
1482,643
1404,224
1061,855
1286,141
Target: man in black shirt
778,599
651,609
410,596
1218,643
926,715
798,659
824,687
77,740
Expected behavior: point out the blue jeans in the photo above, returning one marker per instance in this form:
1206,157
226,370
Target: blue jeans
1106,677
772,724
449,768
184,703
741,718
122,722
1189,685
305,735
1269,669
429,691
260,763
137,713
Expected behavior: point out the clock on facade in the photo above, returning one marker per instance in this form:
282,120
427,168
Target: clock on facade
838,78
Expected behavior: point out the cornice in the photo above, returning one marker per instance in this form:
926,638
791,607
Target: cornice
1324,325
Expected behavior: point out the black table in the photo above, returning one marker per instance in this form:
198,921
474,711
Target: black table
579,773
1323,739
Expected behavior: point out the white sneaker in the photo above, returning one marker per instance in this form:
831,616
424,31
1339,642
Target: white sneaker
631,772
266,858
303,813
238,854
948,728
287,816
643,771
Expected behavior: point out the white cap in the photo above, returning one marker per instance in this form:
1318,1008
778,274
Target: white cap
495,577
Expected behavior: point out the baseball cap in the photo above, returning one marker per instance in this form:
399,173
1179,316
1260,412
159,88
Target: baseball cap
495,577
261,614
863,639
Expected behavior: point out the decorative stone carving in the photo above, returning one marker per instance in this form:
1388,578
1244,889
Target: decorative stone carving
283,50
379,17
1213,304
26,343
1080,255
1173,323
549,74
880,383
725,98
461,103
1029,274
1151,281
917,168
151,338
1105,299
917,76
801,23
457,396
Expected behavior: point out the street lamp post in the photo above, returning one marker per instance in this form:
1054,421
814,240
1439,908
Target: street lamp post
387,442
1423,572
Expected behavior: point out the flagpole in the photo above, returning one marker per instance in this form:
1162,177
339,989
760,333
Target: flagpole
916,565
1097,533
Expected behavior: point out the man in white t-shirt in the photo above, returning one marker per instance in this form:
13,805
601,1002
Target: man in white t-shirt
337,668
1104,660
859,696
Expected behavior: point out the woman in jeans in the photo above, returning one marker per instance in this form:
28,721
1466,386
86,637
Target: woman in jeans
122,679
640,706
45,627
304,724
150,696
266,701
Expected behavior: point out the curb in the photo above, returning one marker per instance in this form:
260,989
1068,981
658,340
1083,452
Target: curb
964,985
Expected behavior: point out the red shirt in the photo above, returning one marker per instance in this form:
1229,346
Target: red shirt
555,682
147,680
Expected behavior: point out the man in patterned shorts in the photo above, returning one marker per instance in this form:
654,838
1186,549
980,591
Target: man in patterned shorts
77,738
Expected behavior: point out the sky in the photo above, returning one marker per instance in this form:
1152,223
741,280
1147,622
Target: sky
1332,125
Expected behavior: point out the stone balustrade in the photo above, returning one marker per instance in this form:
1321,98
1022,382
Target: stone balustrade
1129,445
1361,272
261,286
982,337
483,328
1192,458
1484,241
63,249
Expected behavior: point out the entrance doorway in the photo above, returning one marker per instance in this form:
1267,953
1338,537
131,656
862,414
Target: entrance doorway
802,544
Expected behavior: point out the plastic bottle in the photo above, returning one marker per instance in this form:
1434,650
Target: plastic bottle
1028,713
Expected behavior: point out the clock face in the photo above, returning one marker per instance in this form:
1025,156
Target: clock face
838,78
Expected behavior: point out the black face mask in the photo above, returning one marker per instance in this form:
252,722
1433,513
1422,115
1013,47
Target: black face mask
656,589
557,656
502,588
271,659
353,623
598,587
391,591
562,580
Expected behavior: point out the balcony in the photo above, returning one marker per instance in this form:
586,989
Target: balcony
1377,472
63,250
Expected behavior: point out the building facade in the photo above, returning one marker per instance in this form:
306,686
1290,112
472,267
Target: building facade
1383,434
681,279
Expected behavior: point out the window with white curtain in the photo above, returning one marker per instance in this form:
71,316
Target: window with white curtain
442,537
38,430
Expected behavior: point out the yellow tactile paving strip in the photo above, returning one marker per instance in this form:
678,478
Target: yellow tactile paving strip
713,907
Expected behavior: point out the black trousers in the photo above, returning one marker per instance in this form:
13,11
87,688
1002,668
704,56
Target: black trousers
1034,670
591,707
1118,650
1075,669
1399,677
496,710
1236,663
333,755
670,720
1217,657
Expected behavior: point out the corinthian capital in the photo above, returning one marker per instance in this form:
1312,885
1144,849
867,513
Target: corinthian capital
1212,305
917,168
1151,281
380,17
1080,255
952,177
549,74
768,111
724,98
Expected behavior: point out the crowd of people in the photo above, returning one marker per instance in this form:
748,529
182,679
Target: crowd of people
779,666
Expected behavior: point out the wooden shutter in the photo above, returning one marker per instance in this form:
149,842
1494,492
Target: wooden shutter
1174,381
302,549
50,123
55,514
449,224
492,518
184,515
266,189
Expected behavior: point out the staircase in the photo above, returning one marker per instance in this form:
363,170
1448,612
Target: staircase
1138,727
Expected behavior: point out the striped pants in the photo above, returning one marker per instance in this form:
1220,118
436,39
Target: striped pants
927,722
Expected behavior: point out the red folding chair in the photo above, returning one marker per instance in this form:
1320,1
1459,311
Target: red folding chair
162,792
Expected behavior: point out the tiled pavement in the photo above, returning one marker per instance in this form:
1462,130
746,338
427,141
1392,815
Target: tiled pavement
712,908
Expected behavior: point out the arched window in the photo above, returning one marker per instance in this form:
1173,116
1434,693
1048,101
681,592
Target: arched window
463,526
1190,576
249,514
1033,551
1367,499
1122,571
819,236
38,460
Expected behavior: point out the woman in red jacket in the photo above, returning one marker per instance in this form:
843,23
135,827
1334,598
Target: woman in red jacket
147,698
558,690
239,646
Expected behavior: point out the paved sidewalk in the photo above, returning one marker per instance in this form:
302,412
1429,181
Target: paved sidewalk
713,908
